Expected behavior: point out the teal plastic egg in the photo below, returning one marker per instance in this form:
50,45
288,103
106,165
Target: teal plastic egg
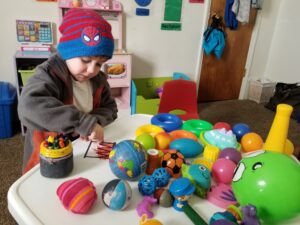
188,147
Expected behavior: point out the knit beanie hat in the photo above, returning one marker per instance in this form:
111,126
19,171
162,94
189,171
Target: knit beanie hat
85,33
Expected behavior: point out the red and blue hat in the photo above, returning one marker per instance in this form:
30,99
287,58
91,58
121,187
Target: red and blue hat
85,33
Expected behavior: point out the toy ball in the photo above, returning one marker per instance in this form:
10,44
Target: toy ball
220,125
147,185
188,147
232,154
273,179
251,142
77,195
128,160
172,161
146,140
162,140
161,177
240,129
117,194
222,171
164,197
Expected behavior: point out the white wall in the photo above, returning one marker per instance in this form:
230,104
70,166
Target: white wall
160,53
284,60
155,52
277,46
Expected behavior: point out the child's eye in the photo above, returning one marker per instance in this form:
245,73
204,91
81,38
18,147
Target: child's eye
85,60
98,64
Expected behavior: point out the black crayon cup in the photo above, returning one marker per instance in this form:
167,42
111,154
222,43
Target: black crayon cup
56,163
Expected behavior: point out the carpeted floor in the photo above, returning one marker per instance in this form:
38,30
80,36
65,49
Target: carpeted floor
234,111
11,154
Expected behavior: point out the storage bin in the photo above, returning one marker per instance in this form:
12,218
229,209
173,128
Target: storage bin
261,92
56,163
25,74
8,109
146,97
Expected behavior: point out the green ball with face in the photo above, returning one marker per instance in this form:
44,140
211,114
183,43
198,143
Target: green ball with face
270,181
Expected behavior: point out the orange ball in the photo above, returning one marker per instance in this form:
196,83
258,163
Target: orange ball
251,142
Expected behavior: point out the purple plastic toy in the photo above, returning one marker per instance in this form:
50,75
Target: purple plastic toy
144,207
249,215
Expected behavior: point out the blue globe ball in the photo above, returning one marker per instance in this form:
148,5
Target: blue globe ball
128,160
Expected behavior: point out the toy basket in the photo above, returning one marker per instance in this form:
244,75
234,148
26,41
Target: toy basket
25,74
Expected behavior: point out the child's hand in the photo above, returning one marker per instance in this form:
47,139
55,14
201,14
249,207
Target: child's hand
97,134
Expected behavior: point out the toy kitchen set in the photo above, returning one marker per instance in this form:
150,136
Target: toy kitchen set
118,68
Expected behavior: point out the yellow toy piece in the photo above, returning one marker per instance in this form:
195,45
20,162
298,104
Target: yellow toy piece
210,155
289,147
149,129
145,221
277,137
50,139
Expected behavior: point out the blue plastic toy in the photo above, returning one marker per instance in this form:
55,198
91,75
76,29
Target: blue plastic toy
161,177
147,185
181,189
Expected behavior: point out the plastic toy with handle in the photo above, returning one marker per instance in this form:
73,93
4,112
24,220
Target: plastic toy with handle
277,137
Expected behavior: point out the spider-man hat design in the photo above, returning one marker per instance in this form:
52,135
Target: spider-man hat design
85,33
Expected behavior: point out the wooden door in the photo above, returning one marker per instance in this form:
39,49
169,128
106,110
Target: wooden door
222,79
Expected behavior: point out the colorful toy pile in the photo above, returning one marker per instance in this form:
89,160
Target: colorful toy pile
231,167
227,151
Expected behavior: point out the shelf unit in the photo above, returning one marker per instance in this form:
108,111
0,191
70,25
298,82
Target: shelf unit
25,60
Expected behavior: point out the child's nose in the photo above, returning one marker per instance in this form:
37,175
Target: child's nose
92,69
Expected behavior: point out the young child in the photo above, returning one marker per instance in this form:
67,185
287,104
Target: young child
68,93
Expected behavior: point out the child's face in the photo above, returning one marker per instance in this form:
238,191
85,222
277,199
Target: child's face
85,68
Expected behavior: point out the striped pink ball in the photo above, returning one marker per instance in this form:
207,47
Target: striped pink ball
77,195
